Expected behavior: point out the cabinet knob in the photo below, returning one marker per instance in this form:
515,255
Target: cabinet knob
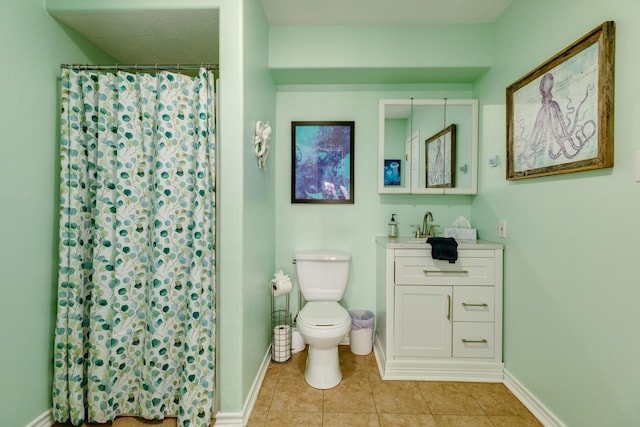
466,304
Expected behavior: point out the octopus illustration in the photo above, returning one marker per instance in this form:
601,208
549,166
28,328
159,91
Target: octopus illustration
436,166
555,134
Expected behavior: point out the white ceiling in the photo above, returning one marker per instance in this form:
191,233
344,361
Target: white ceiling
150,36
190,36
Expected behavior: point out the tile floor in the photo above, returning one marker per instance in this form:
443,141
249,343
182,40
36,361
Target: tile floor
363,399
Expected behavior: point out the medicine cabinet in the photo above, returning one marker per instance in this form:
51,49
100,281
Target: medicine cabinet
428,146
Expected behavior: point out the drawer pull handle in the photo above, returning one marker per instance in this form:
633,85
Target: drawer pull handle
448,307
445,271
466,304
482,341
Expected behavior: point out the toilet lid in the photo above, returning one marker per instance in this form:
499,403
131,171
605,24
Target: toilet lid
323,313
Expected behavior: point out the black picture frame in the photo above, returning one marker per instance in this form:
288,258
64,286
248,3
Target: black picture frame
322,162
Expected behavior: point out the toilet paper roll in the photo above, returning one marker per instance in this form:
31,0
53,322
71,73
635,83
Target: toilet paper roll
281,343
280,286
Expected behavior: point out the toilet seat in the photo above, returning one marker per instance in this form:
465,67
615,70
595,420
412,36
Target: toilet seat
323,314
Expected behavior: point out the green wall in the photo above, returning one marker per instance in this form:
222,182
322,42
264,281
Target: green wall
245,213
571,278
258,198
33,48
229,213
379,53
351,227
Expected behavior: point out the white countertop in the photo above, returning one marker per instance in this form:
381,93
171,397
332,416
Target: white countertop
421,243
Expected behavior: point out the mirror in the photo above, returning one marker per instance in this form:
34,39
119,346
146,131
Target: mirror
428,146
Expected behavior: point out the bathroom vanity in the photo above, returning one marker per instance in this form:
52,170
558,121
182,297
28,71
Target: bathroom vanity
438,320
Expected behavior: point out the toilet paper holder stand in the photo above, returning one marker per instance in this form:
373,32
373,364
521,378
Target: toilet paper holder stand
280,331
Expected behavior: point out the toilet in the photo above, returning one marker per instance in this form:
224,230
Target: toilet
323,322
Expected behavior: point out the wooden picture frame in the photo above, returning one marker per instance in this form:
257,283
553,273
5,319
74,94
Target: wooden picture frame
322,161
560,115
440,158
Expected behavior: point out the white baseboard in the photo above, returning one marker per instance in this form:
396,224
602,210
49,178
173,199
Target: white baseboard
44,420
541,412
232,419
379,354
240,419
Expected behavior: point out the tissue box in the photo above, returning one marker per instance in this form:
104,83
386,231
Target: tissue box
460,233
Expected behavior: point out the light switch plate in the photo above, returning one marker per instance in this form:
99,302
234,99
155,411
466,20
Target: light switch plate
502,228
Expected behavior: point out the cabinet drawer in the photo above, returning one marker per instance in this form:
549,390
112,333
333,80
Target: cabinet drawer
473,339
428,271
473,304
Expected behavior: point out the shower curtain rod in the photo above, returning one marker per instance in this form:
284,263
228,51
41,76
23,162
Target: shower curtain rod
142,67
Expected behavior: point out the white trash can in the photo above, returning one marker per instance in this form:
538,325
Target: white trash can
361,335
297,342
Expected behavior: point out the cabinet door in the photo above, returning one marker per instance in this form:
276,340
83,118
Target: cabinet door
423,321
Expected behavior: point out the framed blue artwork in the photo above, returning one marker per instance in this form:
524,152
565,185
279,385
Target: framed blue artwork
322,161
392,172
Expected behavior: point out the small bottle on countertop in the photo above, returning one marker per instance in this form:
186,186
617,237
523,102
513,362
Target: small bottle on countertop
393,227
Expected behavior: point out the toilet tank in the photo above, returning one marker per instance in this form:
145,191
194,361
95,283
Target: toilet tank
322,274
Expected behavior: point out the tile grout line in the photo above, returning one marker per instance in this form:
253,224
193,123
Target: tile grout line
478,403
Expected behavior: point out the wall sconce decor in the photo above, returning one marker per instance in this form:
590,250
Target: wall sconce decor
261,143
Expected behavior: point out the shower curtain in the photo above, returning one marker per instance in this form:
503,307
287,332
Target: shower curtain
135,329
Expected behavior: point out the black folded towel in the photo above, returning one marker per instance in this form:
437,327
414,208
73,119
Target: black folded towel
444,248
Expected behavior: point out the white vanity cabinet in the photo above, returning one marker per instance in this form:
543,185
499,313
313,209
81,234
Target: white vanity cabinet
439,320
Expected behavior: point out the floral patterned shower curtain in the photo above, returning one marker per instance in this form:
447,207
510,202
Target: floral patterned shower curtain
136,319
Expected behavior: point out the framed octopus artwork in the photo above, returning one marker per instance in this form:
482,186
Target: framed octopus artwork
322,161
560,115
440,151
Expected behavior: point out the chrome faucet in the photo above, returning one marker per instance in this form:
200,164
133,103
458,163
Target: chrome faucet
426,230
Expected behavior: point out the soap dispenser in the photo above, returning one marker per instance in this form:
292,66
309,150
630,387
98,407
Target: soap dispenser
393,227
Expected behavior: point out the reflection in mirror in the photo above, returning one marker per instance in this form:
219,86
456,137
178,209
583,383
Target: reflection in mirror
397,125
409,133
440,158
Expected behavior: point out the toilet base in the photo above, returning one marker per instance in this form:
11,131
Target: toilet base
323,368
